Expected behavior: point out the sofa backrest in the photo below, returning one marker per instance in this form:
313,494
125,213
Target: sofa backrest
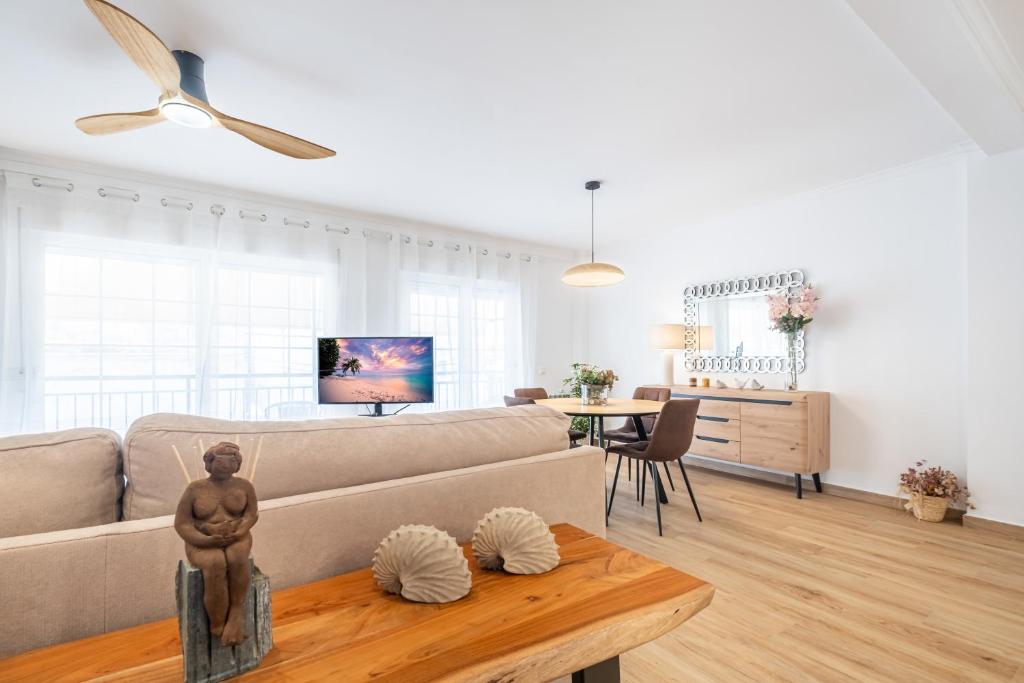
59,480
164,452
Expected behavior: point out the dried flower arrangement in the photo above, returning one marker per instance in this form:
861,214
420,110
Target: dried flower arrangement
931,490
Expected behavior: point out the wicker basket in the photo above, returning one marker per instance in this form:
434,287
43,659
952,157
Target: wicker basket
928,508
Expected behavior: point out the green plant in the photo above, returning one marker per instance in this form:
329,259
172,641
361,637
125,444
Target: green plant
329,354
586,373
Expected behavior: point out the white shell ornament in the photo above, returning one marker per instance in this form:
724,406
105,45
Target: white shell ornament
755,385
515,540
739,384
720,384
422,564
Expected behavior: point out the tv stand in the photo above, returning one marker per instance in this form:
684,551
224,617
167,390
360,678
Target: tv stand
378,410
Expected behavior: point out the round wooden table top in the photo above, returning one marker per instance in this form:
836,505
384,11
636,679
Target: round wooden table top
617,407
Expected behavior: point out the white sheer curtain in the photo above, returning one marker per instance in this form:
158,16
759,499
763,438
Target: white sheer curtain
478,302
121,298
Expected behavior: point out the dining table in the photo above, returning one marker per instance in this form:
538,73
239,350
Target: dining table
633,408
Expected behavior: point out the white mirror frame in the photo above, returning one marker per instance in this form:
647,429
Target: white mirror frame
742,286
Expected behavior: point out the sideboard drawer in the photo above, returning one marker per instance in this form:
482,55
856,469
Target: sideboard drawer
715,449
712,408
729,429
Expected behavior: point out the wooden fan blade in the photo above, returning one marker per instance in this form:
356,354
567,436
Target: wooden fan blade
144,47
289,145
103,124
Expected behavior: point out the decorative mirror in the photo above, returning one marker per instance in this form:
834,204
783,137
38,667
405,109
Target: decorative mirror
726,325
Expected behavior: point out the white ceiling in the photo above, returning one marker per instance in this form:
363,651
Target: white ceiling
490,116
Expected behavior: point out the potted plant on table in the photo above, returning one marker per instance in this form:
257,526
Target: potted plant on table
590,383
931,490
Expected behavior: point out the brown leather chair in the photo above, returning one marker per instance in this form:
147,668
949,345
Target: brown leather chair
574,434
669,442
531,392
627,432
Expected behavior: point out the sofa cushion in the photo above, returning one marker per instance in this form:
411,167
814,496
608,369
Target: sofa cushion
163,452
59,480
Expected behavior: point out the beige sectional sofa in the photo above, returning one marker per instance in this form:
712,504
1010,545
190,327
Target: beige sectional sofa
81,553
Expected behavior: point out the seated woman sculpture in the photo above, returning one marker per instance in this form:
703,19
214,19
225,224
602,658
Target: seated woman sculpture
214,517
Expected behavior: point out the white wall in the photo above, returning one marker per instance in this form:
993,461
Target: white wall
888,342
561,325
995,366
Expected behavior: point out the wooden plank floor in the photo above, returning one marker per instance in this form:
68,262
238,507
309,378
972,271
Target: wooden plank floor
826,589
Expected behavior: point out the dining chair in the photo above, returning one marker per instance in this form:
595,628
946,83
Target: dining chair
669,442
627,432
574,434
531,392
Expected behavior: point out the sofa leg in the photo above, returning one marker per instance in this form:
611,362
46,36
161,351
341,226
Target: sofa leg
799,485
817,481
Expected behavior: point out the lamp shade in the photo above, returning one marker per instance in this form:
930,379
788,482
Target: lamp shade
593,275
705,337
667,336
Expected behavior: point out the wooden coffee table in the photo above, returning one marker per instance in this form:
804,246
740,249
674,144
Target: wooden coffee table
601,601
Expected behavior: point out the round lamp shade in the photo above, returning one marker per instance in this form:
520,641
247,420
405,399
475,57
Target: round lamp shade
593,275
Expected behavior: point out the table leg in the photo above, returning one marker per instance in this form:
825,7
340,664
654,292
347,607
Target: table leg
591,430
641,433
602,672
600,431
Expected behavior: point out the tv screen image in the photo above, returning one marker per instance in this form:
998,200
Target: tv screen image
376,370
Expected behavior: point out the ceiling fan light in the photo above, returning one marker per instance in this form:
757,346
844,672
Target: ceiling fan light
593,275
185,114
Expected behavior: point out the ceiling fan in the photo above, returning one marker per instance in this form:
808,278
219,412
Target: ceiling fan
179,75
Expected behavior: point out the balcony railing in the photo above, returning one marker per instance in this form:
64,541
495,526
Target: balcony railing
252,397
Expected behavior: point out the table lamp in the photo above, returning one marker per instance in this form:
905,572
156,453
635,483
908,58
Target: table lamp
669,337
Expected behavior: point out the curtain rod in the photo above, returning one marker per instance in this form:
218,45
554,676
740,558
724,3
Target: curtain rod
108,191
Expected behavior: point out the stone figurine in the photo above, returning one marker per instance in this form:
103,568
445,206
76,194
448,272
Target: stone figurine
214,517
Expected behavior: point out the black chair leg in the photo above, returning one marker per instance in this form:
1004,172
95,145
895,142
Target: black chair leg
611,497
669,474
643,482
657,498
690,490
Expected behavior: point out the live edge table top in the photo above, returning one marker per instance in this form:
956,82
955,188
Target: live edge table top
600,601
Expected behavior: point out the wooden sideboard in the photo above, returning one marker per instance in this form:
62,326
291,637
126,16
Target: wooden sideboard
780,430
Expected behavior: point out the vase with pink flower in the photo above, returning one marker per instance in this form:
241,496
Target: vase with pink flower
789,312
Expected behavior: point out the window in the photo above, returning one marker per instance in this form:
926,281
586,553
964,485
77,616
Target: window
266,326
120,338
434,312
468,320
130,333
488,374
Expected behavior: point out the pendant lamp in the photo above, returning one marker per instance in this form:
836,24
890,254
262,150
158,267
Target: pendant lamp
593,274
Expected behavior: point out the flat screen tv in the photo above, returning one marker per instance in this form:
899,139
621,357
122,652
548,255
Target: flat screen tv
375,370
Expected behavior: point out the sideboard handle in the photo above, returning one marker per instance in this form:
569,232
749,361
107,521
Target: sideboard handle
711,438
